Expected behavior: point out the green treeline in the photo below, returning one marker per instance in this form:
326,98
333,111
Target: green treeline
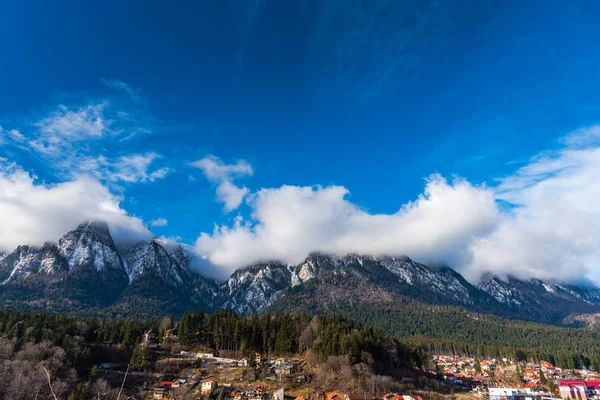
280,335
439,329
35,327
362,334
271,335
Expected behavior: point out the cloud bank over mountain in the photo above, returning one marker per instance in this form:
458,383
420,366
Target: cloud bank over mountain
553,227
543,221
33,212
292,221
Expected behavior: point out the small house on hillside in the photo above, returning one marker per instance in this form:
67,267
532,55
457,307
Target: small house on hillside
283,369
335,396
208,386
159,393
573,389
278,394
359,396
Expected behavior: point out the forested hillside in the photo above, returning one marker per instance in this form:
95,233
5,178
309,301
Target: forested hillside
72,348
453,329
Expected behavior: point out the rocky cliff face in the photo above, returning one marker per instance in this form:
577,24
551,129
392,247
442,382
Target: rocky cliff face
162,280
83,269
256,287
253,288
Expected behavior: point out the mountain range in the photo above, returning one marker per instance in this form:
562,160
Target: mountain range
85,271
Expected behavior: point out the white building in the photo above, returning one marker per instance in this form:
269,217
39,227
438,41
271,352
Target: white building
515,394
208,386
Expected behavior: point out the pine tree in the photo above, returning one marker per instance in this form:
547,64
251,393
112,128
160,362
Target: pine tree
78,393
184,331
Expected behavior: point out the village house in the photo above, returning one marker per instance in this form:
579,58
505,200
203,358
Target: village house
243,362
257,358
529,373
335,396
358,396
514,394
236,395
283,369
396,397
208,386
278,395
573,389
256,392
159,393
175,383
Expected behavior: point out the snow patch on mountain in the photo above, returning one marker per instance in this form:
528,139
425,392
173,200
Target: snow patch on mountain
90,245
27,260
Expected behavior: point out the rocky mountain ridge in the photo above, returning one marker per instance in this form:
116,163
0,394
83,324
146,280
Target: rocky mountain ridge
85,270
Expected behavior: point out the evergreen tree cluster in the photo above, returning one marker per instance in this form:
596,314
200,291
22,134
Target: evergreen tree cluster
453,330
280,335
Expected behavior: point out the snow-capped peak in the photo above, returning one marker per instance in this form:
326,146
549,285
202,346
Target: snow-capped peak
90,245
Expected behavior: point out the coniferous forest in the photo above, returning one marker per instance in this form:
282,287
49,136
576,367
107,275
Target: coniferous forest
71,348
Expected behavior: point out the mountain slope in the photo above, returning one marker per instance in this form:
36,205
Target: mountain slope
86,271
256,287
159,284
83,270
26,260
353,283
542,300
253,288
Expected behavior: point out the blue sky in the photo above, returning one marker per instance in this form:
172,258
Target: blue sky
370,96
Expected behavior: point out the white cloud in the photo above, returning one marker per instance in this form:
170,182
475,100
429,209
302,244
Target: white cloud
216,170
542,221
553,231
583,138
60,129
231,195
33,213
117,84
72,142
16,135
136,168
159,222
290,222
13,135
223,174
